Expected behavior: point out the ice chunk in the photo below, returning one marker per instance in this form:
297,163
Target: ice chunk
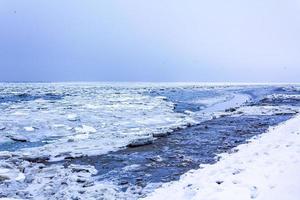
73,117
29,129
266,110
85,129
141,141
18,138
10,175
18,113
5,154
36,158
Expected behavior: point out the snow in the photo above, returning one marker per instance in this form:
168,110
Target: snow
265,168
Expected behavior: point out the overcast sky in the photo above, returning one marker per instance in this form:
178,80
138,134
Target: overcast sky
150,40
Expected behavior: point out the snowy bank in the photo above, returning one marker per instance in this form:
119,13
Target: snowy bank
265,168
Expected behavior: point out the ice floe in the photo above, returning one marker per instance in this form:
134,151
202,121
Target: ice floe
266,110
85,129
18,138
53,182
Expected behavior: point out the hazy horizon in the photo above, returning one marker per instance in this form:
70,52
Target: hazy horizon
155,41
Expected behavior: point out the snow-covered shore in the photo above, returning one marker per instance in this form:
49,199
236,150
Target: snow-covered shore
266,168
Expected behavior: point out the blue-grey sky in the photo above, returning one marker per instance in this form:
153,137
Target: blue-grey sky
150,40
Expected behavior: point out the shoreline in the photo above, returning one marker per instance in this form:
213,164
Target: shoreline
135,172
265,168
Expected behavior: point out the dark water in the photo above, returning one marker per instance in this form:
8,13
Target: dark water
169,157
17,145
29,97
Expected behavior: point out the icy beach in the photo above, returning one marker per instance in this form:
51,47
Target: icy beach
266,168
131,141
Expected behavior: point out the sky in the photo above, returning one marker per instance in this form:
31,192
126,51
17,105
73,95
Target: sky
150,40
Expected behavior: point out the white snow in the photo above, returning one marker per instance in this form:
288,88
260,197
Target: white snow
266,168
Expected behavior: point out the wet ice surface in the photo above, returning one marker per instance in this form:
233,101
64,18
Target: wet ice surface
50,127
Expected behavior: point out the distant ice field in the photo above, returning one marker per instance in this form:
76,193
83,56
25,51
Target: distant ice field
91,119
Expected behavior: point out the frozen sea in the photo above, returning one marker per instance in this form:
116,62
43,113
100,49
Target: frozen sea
52,134
92,119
